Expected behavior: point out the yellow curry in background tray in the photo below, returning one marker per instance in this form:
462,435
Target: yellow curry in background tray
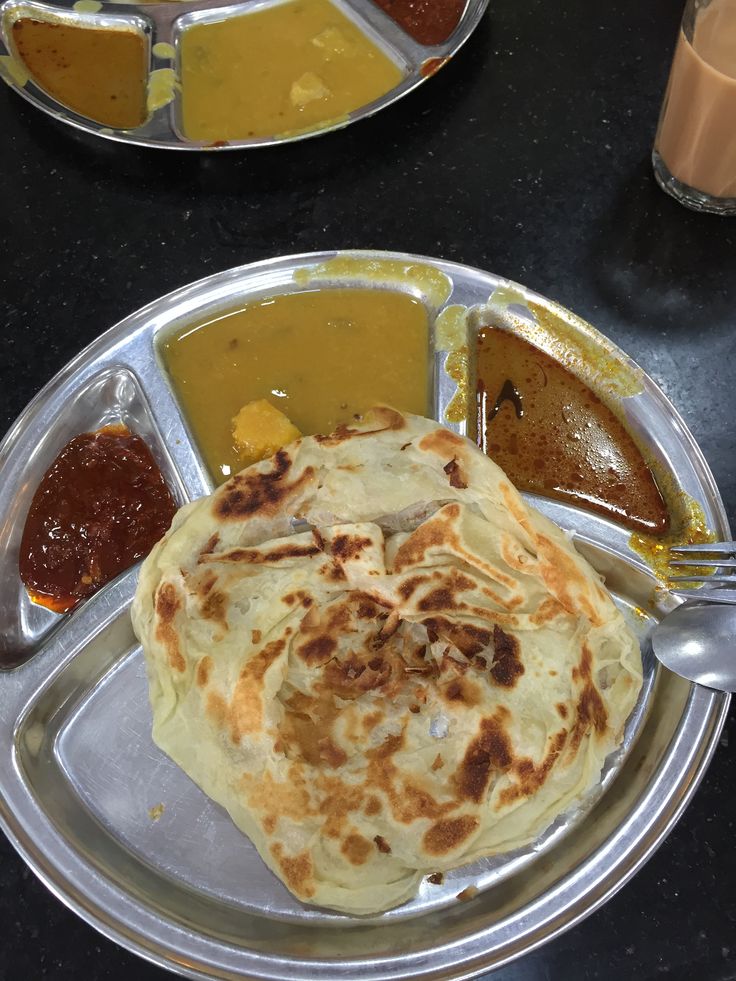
320,357
285,68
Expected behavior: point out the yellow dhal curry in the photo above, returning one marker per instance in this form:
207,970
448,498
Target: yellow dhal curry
290,67
320,357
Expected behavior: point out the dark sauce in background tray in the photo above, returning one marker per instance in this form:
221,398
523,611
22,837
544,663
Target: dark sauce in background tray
427,21
554,437
102,505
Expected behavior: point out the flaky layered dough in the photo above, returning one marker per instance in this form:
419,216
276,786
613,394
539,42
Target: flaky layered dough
418,671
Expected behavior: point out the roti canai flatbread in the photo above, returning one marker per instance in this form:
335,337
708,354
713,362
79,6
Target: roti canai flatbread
380,660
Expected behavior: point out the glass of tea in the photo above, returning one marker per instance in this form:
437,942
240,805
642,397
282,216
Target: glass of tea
694,153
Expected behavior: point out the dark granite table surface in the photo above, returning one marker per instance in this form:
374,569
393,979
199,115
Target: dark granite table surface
528,156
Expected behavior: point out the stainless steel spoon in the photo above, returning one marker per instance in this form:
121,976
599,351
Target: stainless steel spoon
698,642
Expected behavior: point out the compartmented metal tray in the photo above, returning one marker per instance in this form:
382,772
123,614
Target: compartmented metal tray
81,782
162,25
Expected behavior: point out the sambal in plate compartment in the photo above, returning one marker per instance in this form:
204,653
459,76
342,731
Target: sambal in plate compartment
99,508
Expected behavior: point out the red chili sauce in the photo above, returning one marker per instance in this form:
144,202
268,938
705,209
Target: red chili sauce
554,437
100,507
427,21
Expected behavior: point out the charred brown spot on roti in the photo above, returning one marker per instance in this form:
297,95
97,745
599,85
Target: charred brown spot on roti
438,762
297,871
260,492
357,674
434,533
215,607
204,669
590,709
446,595
390,745
347,547
212,543
330,754
373,806
489,752
255,637
382,845
566,580
167,603
441,598
372,719
338,801
298,597
547,611
443,442
453,471
167,606
386,419
410,585
406,800
388,628
287,550
412,802
318,650
356,849
305,730
507,667
288,798
205,583
216,709
245,713
333,572
531,777
448,834
562,710
367,610
462,692
466,637
319,632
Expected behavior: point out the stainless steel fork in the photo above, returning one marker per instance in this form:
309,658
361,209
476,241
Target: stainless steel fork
720,557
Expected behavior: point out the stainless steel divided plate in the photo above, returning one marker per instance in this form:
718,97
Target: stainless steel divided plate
161,29
125,839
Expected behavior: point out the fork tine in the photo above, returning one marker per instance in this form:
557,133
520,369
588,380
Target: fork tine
728,580
714,595
719,548
715,563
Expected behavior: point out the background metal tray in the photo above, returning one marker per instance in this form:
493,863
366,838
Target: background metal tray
162,23
81,781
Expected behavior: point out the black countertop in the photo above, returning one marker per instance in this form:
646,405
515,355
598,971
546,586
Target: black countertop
528,155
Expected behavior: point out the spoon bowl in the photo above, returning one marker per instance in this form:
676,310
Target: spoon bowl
698,642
